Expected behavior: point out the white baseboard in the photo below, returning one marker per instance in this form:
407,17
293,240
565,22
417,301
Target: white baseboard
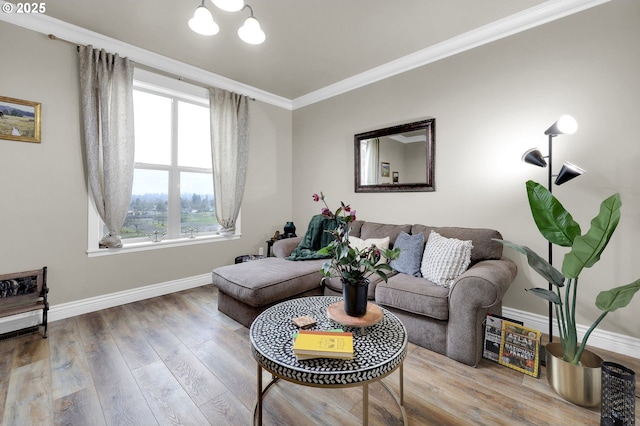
92,304
607,340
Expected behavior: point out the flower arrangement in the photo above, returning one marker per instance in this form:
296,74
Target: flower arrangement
352,265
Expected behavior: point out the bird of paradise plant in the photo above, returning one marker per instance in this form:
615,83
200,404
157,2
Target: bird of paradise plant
558,227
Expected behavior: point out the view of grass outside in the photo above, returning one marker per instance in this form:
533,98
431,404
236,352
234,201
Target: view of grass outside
148,213
149,204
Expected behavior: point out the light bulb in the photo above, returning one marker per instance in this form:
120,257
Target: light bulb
567,124
202,22
251,32
229,5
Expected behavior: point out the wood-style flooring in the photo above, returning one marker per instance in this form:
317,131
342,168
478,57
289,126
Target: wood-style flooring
176,360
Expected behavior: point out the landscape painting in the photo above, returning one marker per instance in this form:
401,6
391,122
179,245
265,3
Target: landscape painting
19,120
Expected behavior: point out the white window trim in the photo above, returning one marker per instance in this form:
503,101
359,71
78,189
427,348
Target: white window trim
146,79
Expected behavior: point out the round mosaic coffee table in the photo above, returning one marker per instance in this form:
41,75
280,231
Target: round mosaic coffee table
377,353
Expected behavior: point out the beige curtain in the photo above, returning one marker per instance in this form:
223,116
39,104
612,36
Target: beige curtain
230,154
106,93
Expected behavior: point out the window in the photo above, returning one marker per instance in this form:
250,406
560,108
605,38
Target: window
172,197
172,194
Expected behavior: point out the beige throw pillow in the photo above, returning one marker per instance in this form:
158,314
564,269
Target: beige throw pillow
360,244
445,259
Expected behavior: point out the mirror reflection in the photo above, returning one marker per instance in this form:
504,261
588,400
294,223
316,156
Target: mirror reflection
398,158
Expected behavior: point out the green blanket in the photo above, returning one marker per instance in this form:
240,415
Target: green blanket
314,239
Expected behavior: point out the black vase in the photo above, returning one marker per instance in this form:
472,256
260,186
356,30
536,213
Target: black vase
355,298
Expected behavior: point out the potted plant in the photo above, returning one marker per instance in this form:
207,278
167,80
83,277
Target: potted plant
556,224
352,265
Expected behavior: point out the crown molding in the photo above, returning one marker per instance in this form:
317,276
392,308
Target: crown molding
62,30
538,15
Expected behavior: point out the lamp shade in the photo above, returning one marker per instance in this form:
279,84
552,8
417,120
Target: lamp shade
202,22
565,125
534,156
229,5
251,32
568,172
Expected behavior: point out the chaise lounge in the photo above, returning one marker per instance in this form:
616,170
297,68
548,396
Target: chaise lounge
445,319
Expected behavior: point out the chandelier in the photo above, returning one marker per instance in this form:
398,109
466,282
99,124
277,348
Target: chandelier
203,23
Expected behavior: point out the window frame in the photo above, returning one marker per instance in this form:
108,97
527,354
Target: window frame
180,91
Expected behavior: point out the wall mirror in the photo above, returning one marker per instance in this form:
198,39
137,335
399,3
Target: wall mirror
396,159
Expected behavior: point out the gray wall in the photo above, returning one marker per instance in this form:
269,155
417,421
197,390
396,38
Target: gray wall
491,104
44,196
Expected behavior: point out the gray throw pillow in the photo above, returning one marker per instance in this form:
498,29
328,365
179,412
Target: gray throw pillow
410,257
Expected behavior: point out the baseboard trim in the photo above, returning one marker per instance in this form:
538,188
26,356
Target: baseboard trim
92,304
607,340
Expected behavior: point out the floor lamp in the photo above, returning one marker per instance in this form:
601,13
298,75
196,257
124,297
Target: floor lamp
565,125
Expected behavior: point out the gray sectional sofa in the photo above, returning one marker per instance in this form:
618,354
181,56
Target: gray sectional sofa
445,320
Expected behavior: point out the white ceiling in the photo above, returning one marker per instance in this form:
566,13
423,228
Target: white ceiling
314,48
310,43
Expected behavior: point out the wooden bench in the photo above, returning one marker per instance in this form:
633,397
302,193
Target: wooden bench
22,292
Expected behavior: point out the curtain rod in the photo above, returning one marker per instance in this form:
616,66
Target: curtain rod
147,67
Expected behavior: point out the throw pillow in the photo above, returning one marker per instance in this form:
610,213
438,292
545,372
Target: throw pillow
360,244
445,259
410,257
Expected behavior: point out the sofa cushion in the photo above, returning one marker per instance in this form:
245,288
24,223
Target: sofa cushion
269,280
445,259
413,294
355,227
380,230
484,248
410,257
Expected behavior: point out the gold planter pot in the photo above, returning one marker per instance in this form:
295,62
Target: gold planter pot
580,385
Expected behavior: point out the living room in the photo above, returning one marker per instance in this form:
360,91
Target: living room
491,103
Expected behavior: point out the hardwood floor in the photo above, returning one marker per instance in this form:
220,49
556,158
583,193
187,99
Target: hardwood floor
176,360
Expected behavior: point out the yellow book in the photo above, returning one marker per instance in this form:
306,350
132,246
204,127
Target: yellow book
330,344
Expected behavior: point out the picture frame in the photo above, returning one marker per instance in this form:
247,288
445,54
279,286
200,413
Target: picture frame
20,120
384,169
396,177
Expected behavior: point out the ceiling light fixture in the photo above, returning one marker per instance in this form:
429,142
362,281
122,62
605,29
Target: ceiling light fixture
202,21
229,5
251,32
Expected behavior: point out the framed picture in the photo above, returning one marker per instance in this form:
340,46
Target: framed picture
19,120
396,177
384,169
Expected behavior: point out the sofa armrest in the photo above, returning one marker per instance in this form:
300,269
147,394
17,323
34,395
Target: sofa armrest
283,248
476,292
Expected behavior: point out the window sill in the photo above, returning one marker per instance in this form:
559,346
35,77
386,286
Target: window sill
146,246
